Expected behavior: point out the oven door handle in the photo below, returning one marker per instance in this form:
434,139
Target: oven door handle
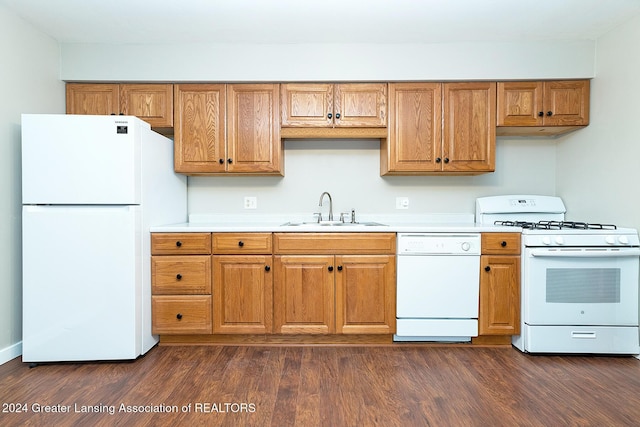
606,253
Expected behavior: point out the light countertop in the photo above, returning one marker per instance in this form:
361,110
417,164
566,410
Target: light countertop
429,223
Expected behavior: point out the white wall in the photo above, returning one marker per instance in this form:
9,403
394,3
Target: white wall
327,62
350,171
598,167
29,82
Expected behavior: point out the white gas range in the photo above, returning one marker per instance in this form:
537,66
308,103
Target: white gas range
579,281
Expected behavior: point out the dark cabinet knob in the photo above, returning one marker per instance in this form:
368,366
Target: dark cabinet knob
487,268
540,113
338,116
339,268
178,243
503,243
331,268
241,243
438,159
229,160
267,268
329,116
179,316
446,160
549,113
221,161
178,276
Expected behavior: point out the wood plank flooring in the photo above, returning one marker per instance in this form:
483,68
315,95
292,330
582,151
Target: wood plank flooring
396,385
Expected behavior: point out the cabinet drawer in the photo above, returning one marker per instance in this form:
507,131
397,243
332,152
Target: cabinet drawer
181,314
189,274
241,243
334,243
180,243
501,243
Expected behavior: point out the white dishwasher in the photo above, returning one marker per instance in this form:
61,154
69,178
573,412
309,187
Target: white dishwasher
438,285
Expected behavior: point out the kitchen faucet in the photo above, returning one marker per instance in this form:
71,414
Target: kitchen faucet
330,205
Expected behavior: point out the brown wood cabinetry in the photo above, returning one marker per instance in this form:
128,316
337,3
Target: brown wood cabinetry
324,283
542,108
181,283
349,109
232,128
500,284
151,102
243,284
440,128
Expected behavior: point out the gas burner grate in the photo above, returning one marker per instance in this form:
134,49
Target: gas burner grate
556,225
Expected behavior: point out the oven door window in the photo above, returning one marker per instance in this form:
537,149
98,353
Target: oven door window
585,289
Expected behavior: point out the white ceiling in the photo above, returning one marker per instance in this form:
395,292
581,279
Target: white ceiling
322,21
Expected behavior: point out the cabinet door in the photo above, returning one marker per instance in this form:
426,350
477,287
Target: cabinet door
360,105
566,103
242,294
499,295
199,128
304,294
415,128
153,103
99,98
469,127
307,104
519,103
253,140
365,294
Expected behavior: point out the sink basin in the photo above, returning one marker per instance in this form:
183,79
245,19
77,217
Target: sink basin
332,224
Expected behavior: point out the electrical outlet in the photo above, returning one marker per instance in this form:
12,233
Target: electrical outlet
251,203
402,203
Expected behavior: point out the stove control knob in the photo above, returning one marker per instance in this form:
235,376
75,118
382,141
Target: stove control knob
610,240
623,240
559,240
546,241
466,246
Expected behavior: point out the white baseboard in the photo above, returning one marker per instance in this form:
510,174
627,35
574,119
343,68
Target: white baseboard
11,352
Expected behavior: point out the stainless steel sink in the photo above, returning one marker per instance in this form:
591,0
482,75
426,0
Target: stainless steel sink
332,224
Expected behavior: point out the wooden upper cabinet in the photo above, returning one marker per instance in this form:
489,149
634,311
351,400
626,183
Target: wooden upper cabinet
227,129
199,128
440,127
469,136
152,102
415,129
98,99
253,132
334,105
542,108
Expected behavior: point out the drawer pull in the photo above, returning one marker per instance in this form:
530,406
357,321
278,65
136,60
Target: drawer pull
241,243
178,243
267,268
178,276
503,243
179,316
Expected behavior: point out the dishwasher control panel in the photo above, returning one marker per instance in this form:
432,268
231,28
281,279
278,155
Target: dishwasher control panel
439,243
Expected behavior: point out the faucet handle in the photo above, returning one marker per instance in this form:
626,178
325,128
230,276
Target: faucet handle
319,215
344,216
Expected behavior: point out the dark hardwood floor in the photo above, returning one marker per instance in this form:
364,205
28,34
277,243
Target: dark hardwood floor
326,386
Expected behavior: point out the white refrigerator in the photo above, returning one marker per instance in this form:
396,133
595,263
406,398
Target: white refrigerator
91,188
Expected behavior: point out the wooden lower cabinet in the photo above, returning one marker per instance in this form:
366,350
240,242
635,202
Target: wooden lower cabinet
304,300
181,314
365,294
499,312
347,293
242,294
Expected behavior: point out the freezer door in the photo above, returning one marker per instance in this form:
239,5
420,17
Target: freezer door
81,283
73,159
